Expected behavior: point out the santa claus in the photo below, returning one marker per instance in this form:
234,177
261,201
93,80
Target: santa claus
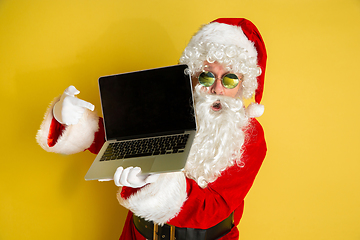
226,59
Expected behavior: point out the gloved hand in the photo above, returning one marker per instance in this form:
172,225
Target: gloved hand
130,177
70,109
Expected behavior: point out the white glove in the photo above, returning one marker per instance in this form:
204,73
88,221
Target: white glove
70,109
130,177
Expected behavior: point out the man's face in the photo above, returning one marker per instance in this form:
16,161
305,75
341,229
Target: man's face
217,88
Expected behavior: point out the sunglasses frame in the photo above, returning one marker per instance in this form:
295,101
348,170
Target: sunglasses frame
222,79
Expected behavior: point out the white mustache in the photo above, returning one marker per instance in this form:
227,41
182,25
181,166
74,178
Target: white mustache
202,97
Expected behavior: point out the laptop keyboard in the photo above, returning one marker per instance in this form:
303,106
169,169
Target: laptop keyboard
145,147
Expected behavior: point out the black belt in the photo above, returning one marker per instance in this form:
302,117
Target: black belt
153,231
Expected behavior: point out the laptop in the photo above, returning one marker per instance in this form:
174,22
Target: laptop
149,121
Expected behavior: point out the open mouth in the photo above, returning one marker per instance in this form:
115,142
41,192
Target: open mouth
216,106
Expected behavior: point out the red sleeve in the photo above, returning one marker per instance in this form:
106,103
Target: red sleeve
205,207
99,138
56,130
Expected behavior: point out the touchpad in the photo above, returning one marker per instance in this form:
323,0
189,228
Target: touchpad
144,163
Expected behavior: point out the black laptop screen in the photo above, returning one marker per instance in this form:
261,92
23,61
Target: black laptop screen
145,103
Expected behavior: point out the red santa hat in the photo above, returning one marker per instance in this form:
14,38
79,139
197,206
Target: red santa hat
254,39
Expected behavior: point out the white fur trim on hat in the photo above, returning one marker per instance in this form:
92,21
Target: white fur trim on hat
255,110
159,201
75,138
225,34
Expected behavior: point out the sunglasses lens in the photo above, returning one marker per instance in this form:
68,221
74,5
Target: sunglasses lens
230,81
206,79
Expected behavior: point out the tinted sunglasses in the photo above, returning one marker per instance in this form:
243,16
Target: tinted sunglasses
229,80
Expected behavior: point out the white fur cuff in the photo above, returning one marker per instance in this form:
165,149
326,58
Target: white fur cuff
159,201
75,138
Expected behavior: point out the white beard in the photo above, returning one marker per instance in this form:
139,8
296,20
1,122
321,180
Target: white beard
217,144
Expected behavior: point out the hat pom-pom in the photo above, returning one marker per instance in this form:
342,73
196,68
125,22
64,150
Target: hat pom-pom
255,110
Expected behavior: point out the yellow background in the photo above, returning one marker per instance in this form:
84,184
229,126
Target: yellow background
309,184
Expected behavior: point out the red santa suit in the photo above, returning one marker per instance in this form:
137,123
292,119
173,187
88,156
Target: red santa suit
173,199
192,206
205,207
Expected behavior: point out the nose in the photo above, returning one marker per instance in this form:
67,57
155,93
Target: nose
217,88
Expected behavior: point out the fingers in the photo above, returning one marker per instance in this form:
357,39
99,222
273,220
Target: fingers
124,177
117,176
71,91
72,110
131,177
152,178
70,113
81,103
